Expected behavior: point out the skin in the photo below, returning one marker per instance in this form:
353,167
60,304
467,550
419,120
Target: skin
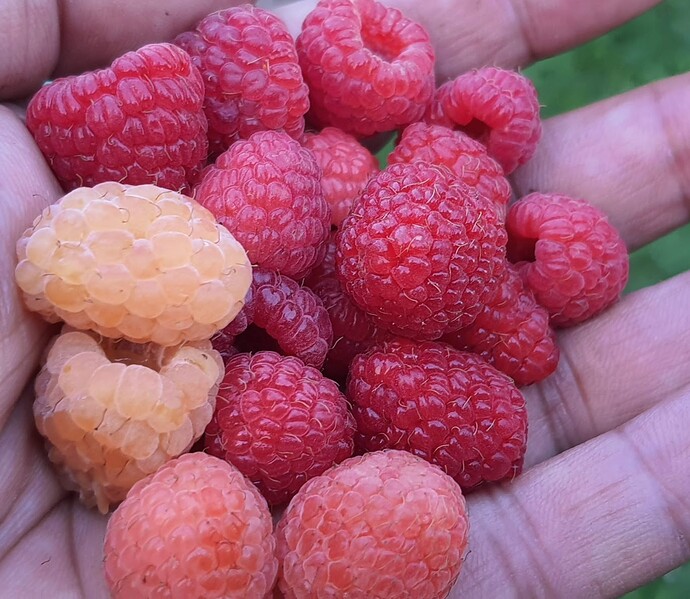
603,506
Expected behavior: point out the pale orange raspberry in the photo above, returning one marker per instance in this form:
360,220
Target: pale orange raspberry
195,529
114,413
138,262
386,524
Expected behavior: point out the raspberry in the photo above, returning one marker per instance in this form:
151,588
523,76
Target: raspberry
142,263
384,525
267,191
326,267
115,412
497,107
512,333
139,121
290,315
347,166
280,422
196,529
449,407
253,81
353,330
575,262
223,341
420,251
464,156
369,69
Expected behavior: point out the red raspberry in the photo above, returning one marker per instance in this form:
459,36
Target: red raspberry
386,524
576,263
223,341
326,267
463,155
280,422
420,251
369,69
267,191
292,315
347,166
497,107
512,333
449,407
353,330
248,60
195,528
139,121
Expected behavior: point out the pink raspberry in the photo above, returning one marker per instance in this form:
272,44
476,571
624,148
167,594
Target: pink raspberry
249,65
291,315
386,524
267,191
449,407
280,422
420,251
347,166
571,257
195,528
512,333
224,340
138,121
369,69
499,108
463,155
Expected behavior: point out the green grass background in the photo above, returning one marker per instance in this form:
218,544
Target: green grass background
651,47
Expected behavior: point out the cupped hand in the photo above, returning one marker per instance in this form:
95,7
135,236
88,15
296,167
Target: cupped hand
603,505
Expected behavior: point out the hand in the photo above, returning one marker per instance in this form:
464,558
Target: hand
602,518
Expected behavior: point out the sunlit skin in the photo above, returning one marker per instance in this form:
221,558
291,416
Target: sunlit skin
603,517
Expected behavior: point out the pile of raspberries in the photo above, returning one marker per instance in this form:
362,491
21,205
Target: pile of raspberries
240,278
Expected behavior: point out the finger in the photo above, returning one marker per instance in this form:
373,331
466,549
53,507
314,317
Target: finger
612,369
508,33
26,187
630,155
599,520
38,39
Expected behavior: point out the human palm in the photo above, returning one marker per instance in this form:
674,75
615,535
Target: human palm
603,517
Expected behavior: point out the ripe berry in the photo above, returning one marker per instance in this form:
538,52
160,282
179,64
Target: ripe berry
421,252
369,69
347,166
354,331
384,525
267,191
280,422
139,121
142,263
114,412
195,529
512,333
499,108
292,317
449,407
464,156
571,257
325,268
248,62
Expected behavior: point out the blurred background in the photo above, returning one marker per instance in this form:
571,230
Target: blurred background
651,47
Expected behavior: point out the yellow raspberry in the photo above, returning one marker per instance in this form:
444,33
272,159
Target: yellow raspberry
138,262
114,413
